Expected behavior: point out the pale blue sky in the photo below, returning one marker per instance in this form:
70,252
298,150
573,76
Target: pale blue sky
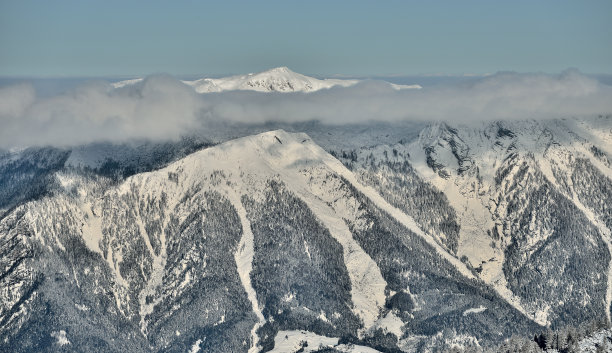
116,38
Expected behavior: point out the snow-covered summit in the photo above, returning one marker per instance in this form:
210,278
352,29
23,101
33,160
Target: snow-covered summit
279,79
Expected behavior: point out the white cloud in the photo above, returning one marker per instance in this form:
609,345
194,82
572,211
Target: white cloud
158,108
161,107
14,100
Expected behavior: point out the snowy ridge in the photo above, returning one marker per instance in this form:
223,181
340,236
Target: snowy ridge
465,163
403,218
480,170
280,79
145,250
245,165
475,217
367,283
288,154
241,167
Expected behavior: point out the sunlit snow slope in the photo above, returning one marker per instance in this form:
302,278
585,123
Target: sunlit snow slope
232,248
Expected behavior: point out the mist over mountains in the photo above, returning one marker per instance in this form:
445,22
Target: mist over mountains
164,108
275,212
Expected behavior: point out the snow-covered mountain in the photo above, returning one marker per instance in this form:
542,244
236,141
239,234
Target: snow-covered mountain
447,236
524,203
280,79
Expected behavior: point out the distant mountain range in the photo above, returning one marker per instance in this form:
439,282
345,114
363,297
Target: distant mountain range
279,79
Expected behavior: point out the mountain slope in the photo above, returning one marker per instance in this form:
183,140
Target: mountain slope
523,203
229,248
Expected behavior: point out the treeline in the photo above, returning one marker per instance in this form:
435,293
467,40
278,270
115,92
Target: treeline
565,340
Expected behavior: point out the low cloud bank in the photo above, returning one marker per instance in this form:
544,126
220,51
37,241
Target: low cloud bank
161,107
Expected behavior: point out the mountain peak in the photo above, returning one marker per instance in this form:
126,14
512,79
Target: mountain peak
280,69
278,79
275,143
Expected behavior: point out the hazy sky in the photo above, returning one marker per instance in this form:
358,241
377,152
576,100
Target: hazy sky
109,38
